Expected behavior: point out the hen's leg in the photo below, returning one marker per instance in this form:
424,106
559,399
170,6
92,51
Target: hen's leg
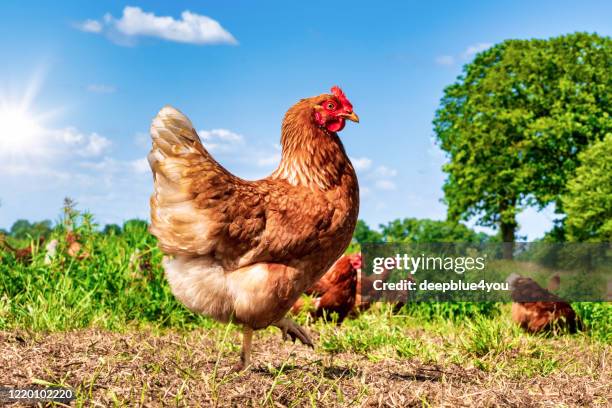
245,353
291,328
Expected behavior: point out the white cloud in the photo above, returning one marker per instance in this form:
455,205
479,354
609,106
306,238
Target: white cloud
474,49
445,60
385,172
361,163
71,141
230,149
380,178
191,28
467,54
89,26
221,140
385,185
42,148
96,145
221,134
101,88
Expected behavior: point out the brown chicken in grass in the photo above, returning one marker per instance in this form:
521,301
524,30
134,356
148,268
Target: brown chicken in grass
537,310
75,248
336,291
23,255
241,250
346,291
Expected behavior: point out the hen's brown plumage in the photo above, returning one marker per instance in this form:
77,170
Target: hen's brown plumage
537,310
246,250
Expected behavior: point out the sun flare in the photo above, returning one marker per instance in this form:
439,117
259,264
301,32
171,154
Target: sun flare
19,129
22,131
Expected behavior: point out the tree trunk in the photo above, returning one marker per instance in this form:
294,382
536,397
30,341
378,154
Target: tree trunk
507,233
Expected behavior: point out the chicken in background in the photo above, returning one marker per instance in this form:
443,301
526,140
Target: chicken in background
537,310
23,255
366,294
50,251
346,291
244,251
75,249
336,291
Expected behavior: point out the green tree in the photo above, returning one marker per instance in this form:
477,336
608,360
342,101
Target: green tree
111,229
588,201
363,233
515,121
424,230
22,229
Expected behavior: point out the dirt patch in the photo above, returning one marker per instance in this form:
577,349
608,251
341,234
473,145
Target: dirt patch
193,369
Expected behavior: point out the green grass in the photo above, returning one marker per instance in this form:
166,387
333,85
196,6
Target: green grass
120,288
121,284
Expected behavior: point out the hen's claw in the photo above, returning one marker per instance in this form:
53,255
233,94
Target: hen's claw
294,331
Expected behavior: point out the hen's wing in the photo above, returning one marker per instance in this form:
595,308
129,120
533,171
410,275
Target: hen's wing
200,208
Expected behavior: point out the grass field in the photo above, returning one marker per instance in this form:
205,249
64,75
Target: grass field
109,327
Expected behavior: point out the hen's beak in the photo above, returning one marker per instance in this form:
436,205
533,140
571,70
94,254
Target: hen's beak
351,116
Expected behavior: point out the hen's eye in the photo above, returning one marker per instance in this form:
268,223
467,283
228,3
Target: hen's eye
330,106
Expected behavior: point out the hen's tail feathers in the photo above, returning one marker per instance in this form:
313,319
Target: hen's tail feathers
177,159
173,133
175,146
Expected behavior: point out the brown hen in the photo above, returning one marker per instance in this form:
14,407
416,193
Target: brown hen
23,255
244,251
537,310
335,292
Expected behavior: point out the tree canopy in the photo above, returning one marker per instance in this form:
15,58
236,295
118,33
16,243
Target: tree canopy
414,230
514,123
588,201
111,229
22,229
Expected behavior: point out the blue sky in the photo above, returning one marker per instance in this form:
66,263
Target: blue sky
81,81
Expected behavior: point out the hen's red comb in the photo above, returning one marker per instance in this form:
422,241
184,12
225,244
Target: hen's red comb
343,100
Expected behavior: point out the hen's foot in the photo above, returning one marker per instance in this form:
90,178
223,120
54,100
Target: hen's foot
294,331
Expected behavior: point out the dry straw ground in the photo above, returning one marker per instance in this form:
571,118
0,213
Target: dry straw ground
146,368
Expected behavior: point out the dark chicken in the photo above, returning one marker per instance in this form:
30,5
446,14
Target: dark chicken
537,310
